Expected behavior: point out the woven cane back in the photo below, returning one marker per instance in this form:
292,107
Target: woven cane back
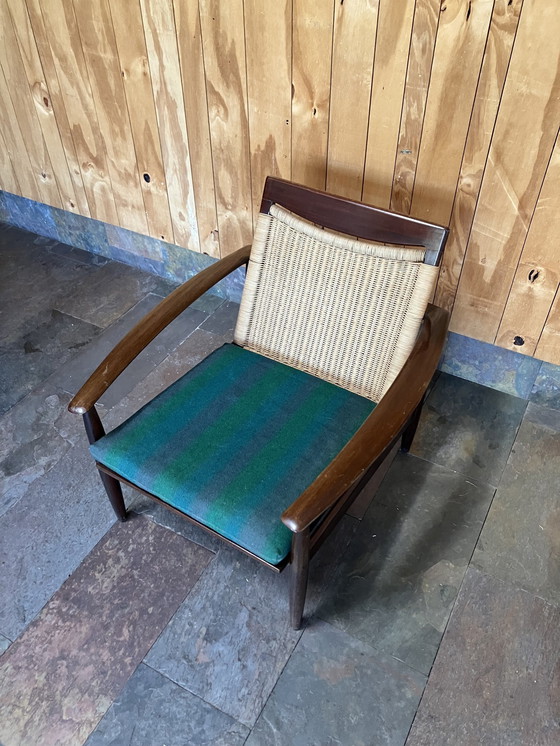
346,311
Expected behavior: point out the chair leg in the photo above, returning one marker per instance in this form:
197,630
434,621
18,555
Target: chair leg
410,430
300,573
115,495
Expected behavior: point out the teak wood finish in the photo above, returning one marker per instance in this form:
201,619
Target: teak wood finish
317,510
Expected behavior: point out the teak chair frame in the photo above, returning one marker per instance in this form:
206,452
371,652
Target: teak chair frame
315,513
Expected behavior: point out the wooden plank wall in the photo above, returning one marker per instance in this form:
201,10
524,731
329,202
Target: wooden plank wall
165,116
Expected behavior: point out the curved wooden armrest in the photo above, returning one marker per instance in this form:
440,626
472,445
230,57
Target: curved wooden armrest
150,326
381,427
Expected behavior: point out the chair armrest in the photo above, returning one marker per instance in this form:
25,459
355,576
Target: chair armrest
150,326
381,427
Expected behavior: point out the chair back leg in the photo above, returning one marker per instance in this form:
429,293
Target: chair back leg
300,573
410,430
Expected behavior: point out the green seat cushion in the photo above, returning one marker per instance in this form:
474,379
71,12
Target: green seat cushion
234,442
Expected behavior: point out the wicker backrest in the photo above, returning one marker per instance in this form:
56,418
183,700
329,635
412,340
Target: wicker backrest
344,310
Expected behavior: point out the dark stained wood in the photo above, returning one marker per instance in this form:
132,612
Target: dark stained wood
355,218
300,575
382,426
95,430
317,511
150,326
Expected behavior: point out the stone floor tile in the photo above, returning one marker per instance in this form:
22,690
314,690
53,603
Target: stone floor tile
543,416
151,709
468,428
75,374
45,343
34,434
337,690
40,282
223,320
4,644
58,679
520,541
209,303
496,678
504,370
144,506
397,581
51,529
230,640
546,390
77,255
114,289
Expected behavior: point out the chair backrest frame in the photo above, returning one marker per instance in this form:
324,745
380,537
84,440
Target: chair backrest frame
355,218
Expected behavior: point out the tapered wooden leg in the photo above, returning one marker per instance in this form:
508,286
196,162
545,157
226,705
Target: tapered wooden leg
410,430
115,495
95,430
300,573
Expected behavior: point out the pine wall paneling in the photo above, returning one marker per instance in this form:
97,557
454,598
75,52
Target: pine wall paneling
164,117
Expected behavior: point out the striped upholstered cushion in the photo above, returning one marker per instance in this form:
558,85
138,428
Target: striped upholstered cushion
234,442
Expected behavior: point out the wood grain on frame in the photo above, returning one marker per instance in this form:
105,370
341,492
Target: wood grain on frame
187,22
135,71
389,77
521,147
163,56
268,35
311,78
223,39
355,30
497,54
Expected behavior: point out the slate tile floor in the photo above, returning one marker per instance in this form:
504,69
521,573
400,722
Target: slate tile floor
150,633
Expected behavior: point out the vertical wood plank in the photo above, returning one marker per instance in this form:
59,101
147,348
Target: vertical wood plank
268,40
311,77
424,29
135,71
521,147
8,180
41,98
66,47
389,77
22,102
163,55
355,29
223,37
548,347
56,99
15,146
497,54
461,38
100,52
187,22
538,274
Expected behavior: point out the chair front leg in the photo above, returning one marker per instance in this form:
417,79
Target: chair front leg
95,430
300,574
